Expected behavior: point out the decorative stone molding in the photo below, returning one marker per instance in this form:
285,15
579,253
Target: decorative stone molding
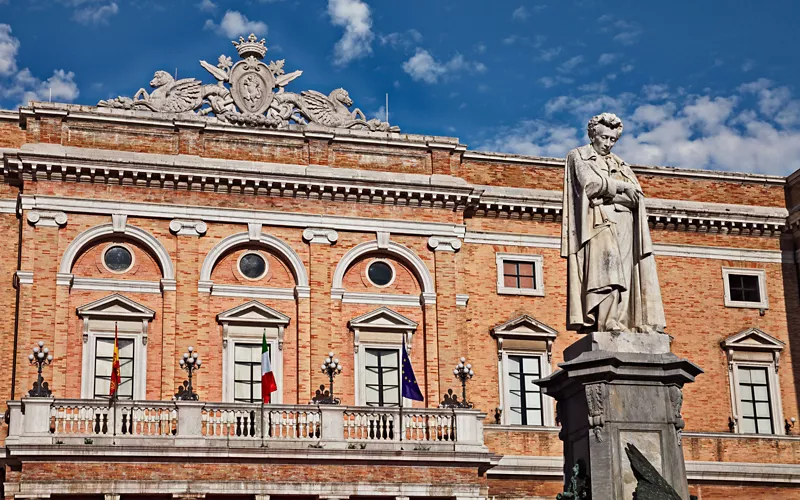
526,333
444,244
254,230
118,222
168,285
762,346
596,396
188,227
381,321
23,277
320,235
47,218
93,234
462,299
64,279
676,401
383,239
114,285
253,313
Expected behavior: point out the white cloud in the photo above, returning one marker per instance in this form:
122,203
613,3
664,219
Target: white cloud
399,40
235,24
551,81
775,103
354,16
624,32
520,13
96,14
8,50
607,58
627,68
207,6
533,137
655,92
422,66
570,64
748,65
549,54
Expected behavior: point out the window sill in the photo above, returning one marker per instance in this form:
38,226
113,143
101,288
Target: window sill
531,292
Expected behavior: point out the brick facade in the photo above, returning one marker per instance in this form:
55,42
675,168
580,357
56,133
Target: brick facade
279,182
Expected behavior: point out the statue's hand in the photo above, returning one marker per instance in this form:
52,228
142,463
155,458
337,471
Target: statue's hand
630,191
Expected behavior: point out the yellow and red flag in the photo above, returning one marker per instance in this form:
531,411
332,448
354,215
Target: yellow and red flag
115,369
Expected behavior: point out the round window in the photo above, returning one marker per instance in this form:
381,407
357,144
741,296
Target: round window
380,273
252,266
118,259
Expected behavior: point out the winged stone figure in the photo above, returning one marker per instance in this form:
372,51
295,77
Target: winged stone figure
333,111
169,96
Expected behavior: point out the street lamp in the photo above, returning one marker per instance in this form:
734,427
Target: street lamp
463,372
190,362
331,367
40,357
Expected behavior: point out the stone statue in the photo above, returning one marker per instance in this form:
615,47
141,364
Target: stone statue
250,93
612,284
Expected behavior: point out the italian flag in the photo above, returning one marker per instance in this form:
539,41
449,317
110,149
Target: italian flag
267,378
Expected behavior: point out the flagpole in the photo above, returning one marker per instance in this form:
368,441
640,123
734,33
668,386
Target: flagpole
264,335
116,390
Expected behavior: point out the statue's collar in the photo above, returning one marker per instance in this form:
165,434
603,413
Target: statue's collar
587,152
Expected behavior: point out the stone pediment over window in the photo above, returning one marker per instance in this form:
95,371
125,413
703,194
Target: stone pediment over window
253,318
382,326
524,333
115,306
115,312
752,344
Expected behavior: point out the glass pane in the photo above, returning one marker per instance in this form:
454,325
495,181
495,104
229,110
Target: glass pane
102,368
534,417
761,393
380,273
391,396
525,282
526,269
744,375
257,391
241,390
252,265
530,364
242,372
125,368
389,359
105,348
510,281
758,375
118,258
748,425
764,426
762,409
509,268
746,392
102,386
516,417
391,377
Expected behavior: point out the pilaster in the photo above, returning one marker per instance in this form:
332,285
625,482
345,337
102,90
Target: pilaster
323,337
449,344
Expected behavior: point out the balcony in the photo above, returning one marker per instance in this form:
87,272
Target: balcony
72,427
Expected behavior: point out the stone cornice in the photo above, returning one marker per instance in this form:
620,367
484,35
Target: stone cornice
44,161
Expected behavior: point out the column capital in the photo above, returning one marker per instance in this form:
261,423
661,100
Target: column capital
320,235
46,218
444,243
182,227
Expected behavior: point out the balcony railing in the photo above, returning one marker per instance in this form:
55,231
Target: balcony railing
40,421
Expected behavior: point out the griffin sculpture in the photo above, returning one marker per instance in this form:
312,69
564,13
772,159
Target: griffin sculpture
169,96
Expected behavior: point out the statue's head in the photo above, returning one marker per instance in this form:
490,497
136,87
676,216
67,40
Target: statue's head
604,131
160,78
343,97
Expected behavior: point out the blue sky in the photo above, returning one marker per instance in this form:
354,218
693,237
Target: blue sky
699,84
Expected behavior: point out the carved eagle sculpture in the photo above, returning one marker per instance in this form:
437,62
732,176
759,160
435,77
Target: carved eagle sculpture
169,96
651,485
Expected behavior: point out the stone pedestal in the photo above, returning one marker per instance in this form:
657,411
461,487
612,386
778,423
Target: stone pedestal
615,389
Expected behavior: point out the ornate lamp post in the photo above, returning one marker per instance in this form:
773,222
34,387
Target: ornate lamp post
463,372
190,362
331,368
40,357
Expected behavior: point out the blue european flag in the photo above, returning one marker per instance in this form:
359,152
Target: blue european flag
410,388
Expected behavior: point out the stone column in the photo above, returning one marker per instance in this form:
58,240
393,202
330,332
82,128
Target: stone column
320,273
616,389
450,348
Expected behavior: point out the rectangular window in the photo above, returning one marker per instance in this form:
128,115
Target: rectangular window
382,371
756,417
525,397
519,274
103,360
247,372
744,288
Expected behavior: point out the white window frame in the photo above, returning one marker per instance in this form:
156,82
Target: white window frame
548,415
774,394
360,359
228,362
90,363
762,285
130,313
538,269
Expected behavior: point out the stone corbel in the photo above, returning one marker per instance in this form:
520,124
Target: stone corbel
188,227
23,277
383,240
118,222
356,339
729,355
462,299
499,348
776,358
47,218
318,235
444,244
145,322
549,343
254,231
596,396
280,337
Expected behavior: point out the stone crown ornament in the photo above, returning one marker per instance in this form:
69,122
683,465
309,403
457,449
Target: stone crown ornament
250,93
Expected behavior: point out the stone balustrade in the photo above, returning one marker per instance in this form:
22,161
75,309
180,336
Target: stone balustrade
43,421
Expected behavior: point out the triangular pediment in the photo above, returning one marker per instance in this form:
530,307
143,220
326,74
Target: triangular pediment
115,306
753,339
524,326
383,319
253,312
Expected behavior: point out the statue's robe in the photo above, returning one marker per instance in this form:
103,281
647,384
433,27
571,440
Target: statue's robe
606,241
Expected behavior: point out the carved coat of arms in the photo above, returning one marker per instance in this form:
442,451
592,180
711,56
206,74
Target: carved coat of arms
250,93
